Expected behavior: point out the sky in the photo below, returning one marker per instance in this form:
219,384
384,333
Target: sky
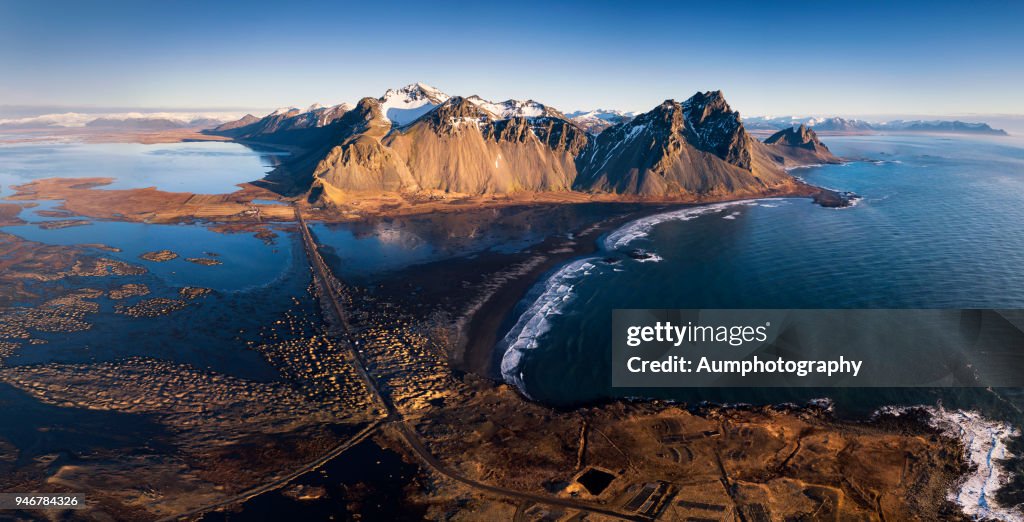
769,58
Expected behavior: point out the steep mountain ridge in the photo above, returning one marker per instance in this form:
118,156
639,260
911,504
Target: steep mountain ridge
696,149
799,146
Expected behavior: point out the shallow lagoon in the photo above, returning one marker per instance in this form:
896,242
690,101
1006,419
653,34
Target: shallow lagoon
247,262
199,167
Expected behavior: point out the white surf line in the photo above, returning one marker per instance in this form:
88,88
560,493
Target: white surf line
984,442
535,322
639,228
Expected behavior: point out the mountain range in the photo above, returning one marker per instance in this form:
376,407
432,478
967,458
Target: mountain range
598,120
418,140
837,124
119,121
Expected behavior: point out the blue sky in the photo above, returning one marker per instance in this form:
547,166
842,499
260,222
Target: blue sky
768,57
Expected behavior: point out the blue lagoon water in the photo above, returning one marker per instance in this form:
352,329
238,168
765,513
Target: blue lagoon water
246,261
941,224
256,282
200,167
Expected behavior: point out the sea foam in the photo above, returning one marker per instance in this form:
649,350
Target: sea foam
535,322
984,441
639,228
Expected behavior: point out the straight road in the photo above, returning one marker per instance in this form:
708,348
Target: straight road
323,277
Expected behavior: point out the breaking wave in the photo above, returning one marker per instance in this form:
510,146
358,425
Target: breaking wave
642,227
535,322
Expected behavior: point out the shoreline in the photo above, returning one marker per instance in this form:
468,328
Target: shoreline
479,328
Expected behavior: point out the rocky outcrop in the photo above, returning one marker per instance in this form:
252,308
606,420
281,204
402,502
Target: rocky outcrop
694,149
799,146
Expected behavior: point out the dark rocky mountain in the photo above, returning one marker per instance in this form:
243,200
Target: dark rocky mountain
697,149
799,146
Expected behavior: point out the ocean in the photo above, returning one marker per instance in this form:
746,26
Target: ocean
940,224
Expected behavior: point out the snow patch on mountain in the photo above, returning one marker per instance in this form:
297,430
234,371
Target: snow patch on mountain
510,108
405,105
611,115
598,120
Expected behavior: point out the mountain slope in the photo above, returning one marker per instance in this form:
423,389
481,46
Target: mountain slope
289,126
244,121
697,149
463,146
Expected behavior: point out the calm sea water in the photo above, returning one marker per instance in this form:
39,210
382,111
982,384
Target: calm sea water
200,167
941,224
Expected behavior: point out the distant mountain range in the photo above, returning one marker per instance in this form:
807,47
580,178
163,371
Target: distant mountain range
836,124
124,121
419,140
598,120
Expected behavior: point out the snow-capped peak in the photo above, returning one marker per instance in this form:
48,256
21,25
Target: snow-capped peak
402,106
284,110
598,120
612,115
510,108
